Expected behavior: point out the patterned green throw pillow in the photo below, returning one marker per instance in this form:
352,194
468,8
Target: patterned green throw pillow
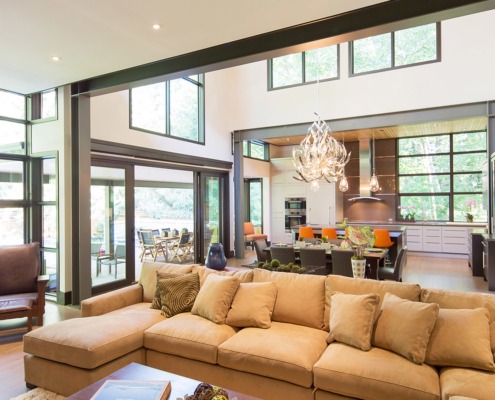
177,294
156,304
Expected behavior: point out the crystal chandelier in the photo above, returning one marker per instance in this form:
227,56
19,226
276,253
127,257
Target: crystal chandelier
374,185
320,156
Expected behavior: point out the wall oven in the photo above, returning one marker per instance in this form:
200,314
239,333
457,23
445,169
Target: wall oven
295,212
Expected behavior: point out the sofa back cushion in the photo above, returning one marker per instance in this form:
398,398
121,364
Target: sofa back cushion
148,278
343,284
19,268
300,298
463,300
245,275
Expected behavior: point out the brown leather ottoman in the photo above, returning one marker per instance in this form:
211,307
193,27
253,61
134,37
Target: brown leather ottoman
17,308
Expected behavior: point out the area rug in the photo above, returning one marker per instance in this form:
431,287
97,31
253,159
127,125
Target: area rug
39,394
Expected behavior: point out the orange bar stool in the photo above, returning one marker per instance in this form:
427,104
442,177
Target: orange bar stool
306,232
382,240
330,233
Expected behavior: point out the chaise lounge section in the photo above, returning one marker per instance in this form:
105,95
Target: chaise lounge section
278,335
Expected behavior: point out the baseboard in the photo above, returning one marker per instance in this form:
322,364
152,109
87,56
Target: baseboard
64,298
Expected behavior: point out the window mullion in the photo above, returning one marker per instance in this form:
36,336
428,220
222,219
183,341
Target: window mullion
167,108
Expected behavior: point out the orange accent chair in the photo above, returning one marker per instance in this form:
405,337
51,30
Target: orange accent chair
306,232
330,233
250,236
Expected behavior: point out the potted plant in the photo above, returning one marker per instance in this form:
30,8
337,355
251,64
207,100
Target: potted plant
358,239
470,205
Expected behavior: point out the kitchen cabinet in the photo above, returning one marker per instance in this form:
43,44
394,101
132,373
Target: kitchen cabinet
475,253
414,238
488,246
454,240
432,239
320,205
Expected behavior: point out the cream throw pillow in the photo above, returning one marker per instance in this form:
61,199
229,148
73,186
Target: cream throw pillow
253,305
461,338
405,326
215,297
352,318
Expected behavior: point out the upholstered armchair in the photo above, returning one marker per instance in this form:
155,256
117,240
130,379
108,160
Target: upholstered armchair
250,234
20,277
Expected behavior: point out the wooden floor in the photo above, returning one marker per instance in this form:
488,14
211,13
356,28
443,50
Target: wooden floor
429,272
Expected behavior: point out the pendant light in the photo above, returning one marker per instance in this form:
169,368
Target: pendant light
343,184
374,185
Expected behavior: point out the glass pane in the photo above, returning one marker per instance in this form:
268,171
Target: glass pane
184,109
148,107
321,64
49,180
372,54
12,223
108,224
211,206
471,141
257,150
49,260
469,203
424,184
255,203
469,162
287,70
12,137
12,105
49,223
424,145
415,45
11,180
467,183
49,104
428,208
424,165
245,148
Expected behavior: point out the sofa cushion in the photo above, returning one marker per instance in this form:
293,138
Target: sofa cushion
147,278
374,374
300,298
343,284
452,299
92,341
284,351
156,303
253,305
189,336
461,338
352,317
178,294
465,382
215,297
405,327
243,274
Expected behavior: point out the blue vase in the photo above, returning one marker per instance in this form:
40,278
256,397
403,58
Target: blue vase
216,257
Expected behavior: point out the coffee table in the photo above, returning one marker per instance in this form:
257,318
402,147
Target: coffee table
180,385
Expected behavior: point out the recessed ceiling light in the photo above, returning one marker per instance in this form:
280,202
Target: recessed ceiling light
56,58
156,26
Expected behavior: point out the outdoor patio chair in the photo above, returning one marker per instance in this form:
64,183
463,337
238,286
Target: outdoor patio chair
181,249
147,244
118,257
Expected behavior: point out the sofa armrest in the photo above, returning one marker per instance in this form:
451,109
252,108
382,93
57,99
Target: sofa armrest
111,301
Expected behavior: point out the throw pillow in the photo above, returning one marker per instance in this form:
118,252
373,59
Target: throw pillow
156,303
253,305
405,326
177,294
215,297
461,338
352,318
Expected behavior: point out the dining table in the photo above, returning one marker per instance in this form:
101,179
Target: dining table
164,242
375,257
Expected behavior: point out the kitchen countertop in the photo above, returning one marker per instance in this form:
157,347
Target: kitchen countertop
404,223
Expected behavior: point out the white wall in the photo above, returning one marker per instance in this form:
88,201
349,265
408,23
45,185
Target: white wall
464,75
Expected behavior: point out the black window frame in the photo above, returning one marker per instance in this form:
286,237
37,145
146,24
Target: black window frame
257,142
200,83
35,107
392,55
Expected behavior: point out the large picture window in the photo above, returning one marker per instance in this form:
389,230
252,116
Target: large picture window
173,108
306,67
396,49
440,176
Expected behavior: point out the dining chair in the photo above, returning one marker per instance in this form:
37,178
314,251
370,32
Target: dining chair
181,249
329,233
306,232
394,273
260,245
341,262
313,259
383,241
147,244
285,255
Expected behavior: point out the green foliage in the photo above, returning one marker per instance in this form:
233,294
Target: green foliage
275,265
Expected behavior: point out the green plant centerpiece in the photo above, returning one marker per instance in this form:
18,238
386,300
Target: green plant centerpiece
358,239
275,265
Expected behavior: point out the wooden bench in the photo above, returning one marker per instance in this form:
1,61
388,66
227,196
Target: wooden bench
17,308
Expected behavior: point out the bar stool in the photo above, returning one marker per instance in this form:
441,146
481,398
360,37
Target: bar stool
306,232
382,240
330,233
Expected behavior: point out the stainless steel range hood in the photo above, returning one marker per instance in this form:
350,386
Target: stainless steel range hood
364,173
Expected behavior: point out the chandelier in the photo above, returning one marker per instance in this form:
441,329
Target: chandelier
320,156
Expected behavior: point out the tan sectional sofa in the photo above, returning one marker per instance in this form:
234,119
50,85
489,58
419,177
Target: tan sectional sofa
291,359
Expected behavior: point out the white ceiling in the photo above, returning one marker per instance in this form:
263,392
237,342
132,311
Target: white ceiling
95,37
